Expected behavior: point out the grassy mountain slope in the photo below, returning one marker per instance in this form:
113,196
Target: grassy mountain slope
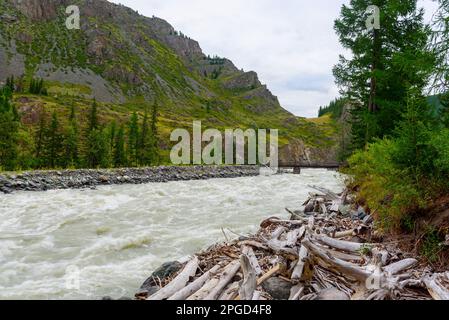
128,62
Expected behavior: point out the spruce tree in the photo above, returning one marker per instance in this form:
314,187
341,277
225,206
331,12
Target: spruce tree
94,139
39,139
72,141
133,140
145,155
32,88
98,149
93,116
154,136
119,154
9,127
53,143
10,83
111,135
440,45
384,64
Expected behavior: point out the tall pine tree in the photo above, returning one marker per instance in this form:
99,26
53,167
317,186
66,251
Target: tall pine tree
133,140
53,143
9,126
72,141
154,136
39,139
119,154
440,45
145,155
92,156
384,64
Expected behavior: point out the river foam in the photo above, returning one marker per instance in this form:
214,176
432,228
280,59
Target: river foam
115,236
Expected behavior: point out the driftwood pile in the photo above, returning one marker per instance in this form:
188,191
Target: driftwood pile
323,253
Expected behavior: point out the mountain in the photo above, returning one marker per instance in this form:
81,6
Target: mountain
128,62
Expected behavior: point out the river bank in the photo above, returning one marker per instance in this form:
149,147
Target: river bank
327,250
91,178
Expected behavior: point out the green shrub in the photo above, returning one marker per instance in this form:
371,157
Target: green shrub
389,192
431,245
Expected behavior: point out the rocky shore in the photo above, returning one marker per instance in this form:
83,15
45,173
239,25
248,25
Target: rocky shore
91,178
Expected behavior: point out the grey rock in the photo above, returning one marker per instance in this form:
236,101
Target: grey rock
85,179
167,269
164,271
278,289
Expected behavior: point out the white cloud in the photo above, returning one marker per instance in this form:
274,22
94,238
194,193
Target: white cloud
291,44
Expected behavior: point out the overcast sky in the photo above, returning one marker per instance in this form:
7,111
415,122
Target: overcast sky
291,44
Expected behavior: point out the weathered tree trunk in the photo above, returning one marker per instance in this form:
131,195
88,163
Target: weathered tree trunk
226,277
399,266
299,268
249,283
341,266
178,283
249,252
186,292
438,286
341,245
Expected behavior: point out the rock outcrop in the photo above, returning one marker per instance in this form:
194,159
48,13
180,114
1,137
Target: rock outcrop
297,153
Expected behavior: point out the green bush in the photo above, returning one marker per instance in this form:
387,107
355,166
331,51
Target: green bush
398,176
389,192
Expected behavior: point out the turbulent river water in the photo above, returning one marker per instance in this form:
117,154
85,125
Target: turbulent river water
86,244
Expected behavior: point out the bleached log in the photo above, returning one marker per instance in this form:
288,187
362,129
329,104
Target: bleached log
186,292
296,292
437,289
178,283
278,232
399,266
278,247
329,194
292,237
289,223
340,254
254,244
249,284
256,296
342,245
335,206
341,266
323,208
344,234
230,292
311,223
248,251
299,268
226,277
205,290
